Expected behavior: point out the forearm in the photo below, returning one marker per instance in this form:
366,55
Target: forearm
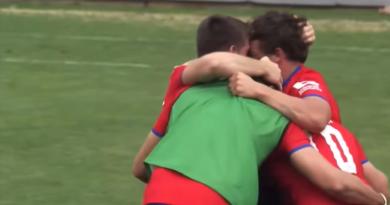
138,168
236,63
380,184
141,173
221,65
352,190
310,115
376,179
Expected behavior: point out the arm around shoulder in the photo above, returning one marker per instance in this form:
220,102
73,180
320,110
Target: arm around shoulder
221,65
311,113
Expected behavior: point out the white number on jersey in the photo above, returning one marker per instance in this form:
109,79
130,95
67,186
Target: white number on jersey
346,166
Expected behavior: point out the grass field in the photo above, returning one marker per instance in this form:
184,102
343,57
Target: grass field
81,85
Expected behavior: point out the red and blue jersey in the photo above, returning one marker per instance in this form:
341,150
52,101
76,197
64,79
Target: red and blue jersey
305,82
335,143
294,139
174,90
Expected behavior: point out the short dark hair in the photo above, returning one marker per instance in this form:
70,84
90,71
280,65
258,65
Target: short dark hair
281,30
218,33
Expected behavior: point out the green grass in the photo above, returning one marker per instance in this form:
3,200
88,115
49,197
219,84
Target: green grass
69,132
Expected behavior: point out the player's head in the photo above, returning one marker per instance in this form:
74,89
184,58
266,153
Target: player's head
278,36
222,33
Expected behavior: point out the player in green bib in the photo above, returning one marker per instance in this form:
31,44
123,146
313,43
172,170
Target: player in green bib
213,138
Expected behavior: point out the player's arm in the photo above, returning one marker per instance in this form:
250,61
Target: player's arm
139,169
311,113
221,65
338,184
377,179
173,91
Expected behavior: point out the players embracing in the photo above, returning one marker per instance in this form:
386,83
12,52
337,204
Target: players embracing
305,100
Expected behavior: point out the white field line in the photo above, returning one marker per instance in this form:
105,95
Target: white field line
178,21
145,40
72,62
91,38
355,49
112,16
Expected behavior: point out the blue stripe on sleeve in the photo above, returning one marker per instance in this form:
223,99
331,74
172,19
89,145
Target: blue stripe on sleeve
315,95
299,148
158,134
364,161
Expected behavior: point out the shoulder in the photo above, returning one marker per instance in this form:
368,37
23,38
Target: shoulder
308,73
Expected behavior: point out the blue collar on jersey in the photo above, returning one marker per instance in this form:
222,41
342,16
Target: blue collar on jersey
296,70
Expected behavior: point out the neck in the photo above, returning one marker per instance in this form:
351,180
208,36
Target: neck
288,67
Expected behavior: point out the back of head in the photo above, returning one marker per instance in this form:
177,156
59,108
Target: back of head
218,33
281,30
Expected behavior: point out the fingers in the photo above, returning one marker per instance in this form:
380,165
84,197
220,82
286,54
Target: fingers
310,40
265,58
232,84
279,86
274,74
236,83
308,34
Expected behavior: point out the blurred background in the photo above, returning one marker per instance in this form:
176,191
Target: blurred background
81,83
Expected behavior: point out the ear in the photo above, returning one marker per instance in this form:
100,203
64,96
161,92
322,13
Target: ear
278,55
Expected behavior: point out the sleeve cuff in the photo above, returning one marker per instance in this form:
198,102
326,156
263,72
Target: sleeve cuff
364,161
296,149
315,95
158,134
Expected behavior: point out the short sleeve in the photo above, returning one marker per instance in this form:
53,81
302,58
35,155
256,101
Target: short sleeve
174,90
293,140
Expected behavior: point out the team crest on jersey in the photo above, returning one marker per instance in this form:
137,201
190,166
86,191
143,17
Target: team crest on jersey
304,86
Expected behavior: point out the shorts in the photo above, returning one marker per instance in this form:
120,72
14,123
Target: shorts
167,187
